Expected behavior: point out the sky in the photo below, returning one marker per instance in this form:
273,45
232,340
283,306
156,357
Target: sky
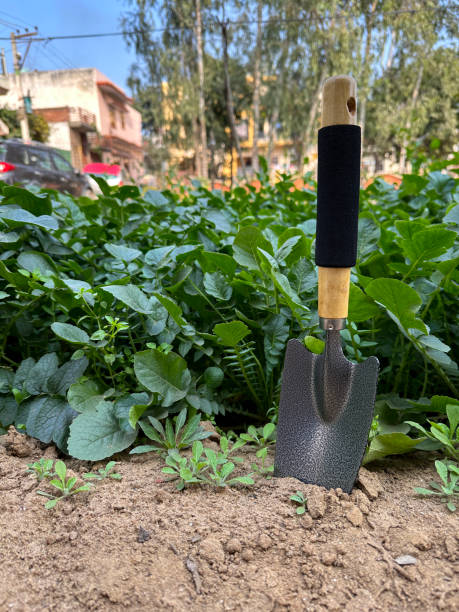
59,17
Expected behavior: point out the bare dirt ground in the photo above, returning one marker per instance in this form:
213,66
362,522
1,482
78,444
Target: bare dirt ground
139,544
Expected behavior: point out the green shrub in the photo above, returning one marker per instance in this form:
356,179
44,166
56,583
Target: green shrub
135,305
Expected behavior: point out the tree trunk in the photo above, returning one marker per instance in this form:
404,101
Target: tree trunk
365,86
229,99
256,89
311,121
414,98
202,116
272,129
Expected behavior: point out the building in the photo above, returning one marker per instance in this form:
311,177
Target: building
91,119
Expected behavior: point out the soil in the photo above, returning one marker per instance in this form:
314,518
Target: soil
139,544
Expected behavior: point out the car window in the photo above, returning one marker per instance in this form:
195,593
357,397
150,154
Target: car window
61,164
2,151
17,155
41,158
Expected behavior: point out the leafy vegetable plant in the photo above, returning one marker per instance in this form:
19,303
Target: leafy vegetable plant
446,435
260,436
448,490
66,486
169,437
104,473
301,500
42,468
263,469
206,466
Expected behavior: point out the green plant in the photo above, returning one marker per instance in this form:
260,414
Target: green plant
301,500
446,435
206,466
42,468
169,437
260,436
66,486
263,469
104,473
138,305
448,491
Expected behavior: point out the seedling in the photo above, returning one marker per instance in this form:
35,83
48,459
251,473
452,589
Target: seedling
104,473
446,435
263,469
449,490
260,436
168,437
42,469
64,485
206,466
301,500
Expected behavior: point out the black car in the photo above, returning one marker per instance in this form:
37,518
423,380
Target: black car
37,164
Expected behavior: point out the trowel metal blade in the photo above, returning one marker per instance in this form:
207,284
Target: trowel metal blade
325,412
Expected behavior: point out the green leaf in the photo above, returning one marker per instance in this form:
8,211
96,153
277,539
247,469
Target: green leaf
434,342
213,377
51,503
31,261
70,333
315,345
164,374
242,479
213,262
245,245
132,296
361,307
442,471
389,444
400,300
48,419
8,410
197,450
122,252
428,244
37,204
172,308
96,434
23,216
301,510
8,237
180,421
268,429
216,286
230,334
453,416
36,380
66,375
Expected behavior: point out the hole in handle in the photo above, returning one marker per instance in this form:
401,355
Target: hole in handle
351,105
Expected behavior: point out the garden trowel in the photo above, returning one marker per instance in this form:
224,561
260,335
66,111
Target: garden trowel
326,403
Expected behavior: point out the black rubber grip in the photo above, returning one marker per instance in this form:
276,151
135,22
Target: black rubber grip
338,184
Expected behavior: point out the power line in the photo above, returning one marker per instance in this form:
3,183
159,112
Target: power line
209,24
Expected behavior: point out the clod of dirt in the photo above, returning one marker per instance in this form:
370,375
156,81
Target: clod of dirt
18,444
211,550
234,546
247,554
369,483
360,500
329,557
143,535
354,515
317,503
208,426
264,541
50,452
306,521
451,545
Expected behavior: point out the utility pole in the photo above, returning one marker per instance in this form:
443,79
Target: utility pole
17,71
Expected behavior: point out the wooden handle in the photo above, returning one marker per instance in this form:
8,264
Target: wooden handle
339,106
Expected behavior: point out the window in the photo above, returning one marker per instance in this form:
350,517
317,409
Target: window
112,117
61,164
123,122
2,151
40,158
17,155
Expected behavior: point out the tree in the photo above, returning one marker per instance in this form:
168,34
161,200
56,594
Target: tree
38,126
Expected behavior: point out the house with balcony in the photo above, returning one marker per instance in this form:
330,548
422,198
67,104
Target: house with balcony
91,119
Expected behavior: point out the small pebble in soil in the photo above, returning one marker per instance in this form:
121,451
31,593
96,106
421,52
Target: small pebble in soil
328,557
234,546
406,560
143,535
